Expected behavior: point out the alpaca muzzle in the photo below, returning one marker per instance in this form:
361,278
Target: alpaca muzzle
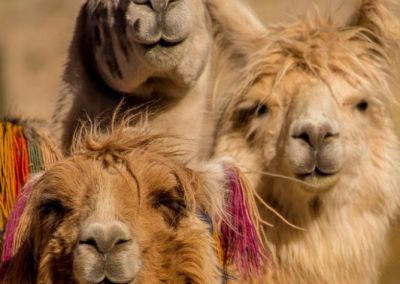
159,21
315,151
106,252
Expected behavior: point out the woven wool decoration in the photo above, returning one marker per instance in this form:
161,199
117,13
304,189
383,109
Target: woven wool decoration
23,150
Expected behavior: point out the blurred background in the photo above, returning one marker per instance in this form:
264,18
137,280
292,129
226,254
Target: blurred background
34,37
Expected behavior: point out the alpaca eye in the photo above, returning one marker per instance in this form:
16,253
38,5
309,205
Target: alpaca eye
171,207
167,200
262,110
362,105
52,207
245,111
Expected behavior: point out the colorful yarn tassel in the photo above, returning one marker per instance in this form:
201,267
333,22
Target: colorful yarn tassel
239,238
13,222
23,150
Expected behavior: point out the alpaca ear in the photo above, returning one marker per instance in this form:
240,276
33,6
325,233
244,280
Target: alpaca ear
18,263
236,28
374,16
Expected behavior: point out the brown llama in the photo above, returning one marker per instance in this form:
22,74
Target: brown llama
310,123
123,208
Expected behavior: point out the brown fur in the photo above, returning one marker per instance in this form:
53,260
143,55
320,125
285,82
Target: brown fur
288,68
122,174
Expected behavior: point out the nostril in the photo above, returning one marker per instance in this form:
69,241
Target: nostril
156,5
141,1
89,242
105,236
303,136
330,135
122,242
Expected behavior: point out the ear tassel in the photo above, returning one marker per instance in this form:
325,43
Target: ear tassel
12,234
239,239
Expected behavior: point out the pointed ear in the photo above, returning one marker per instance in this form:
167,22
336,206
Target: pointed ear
235,26
375,16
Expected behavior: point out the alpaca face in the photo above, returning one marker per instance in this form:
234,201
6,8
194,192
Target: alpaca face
307,130
133,38
97,224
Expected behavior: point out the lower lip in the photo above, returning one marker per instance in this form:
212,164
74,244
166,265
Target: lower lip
317,181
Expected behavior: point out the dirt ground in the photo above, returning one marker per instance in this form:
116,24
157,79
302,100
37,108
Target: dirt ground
34,36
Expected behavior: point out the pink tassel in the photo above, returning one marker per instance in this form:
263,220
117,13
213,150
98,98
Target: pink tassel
240,241
13,222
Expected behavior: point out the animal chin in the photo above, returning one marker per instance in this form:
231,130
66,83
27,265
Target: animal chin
318,180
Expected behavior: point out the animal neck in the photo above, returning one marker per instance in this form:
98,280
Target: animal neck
342,228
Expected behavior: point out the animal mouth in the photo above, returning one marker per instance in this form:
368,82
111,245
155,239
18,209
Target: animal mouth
163,43
318,178
107,281
317,173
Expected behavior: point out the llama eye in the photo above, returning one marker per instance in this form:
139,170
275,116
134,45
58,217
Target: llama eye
52,207
51,214
262,110
245,111
362,105
171,207
167,200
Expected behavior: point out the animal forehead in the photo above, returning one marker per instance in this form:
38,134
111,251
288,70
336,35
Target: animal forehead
298,86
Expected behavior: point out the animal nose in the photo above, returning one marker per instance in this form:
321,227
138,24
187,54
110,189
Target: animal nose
313,134
105,236
157,5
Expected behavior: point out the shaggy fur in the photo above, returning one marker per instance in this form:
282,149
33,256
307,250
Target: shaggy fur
120,51
132,178
316,70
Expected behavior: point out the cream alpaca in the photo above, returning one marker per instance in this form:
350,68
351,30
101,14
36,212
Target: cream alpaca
311,107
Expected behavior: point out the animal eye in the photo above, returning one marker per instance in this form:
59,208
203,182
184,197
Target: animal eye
262,109
51,214
245,111
166,199
172,207
52,206
362,105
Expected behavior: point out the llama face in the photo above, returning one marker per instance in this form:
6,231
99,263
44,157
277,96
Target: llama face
308,129
141,224
155,36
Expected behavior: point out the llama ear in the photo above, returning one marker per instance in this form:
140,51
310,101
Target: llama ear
236,28
18,255
374,16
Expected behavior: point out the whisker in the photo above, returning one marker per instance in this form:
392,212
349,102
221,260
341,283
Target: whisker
277,176
261,200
